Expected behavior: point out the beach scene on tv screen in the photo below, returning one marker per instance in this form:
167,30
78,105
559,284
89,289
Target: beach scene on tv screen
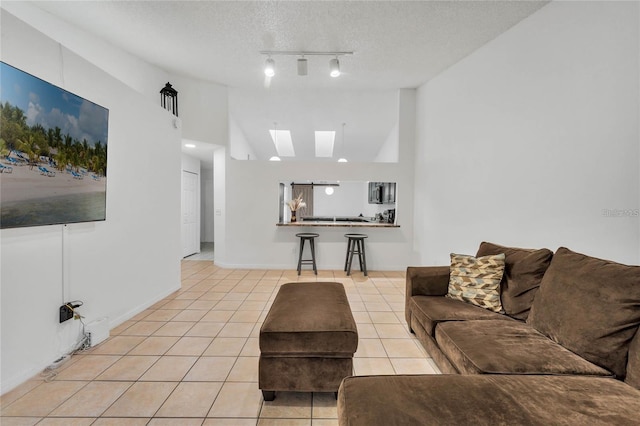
53,153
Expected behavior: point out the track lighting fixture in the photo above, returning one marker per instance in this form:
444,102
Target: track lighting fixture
334,63
334,68
270,67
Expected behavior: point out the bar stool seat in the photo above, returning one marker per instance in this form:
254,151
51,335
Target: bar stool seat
307,236
355,245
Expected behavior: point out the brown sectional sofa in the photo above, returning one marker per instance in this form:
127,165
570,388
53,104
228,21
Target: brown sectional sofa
566,350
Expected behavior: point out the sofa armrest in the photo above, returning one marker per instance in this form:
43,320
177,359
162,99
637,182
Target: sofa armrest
425,281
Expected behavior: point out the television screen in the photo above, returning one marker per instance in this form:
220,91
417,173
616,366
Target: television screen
53,153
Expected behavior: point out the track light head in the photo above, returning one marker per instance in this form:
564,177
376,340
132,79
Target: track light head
334,67
302,66
269,67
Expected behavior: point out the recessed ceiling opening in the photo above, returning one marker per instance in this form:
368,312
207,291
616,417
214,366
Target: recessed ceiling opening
324,143
283,143
314,126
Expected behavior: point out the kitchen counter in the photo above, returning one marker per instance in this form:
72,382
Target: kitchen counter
340,224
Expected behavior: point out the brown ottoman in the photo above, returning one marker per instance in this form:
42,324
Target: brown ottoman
307,340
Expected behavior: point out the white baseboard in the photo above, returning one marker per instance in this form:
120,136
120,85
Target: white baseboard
290,267
8,385
135,311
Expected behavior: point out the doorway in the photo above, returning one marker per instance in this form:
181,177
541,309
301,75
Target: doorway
190,213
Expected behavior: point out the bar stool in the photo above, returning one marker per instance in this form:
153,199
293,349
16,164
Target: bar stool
355,244
306,236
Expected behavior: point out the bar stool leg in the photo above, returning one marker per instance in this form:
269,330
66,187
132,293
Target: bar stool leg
313,255
350,254
300,255
346,259
359,251
363,259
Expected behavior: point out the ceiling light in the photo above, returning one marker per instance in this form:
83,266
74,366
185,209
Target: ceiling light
334,68
189,145
342,150
270,67
275,158
302,66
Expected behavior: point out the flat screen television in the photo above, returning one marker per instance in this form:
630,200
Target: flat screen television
53,153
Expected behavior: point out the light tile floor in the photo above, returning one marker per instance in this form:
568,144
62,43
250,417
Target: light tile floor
192,358
206,252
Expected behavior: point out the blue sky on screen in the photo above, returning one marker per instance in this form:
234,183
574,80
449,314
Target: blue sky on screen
50,106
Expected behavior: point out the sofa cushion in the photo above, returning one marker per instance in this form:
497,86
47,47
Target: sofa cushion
523,272
590,306
633,362
431,310
504,347
476,280
485,400
309,319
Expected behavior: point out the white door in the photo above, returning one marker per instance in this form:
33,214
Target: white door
190,214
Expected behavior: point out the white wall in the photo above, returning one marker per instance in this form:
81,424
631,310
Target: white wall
219,202
240,149
117,267
190,164
251,211
528,139
207,211
348,199
202,107
127,68
389,150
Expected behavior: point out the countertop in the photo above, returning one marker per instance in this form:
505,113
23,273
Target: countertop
344,224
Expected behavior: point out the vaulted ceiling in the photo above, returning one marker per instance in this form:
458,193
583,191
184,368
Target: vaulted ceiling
396,44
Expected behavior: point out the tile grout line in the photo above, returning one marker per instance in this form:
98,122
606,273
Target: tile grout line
230,282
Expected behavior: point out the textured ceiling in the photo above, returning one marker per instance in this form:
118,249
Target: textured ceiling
396,44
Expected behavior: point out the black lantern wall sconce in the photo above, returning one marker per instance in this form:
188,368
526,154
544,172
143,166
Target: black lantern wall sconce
169,99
